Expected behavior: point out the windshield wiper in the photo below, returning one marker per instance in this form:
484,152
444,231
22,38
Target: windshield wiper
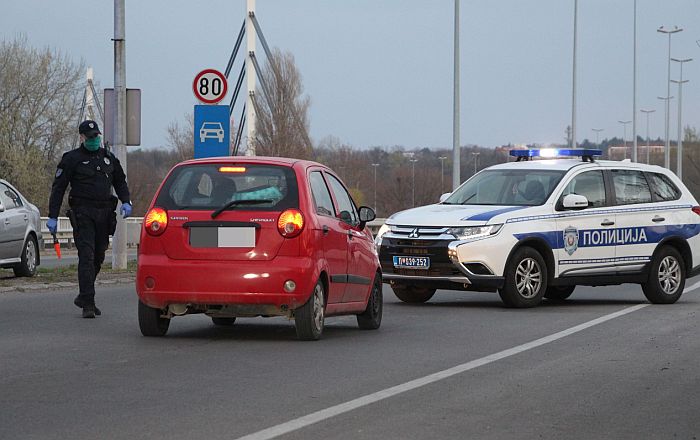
238,202
468,199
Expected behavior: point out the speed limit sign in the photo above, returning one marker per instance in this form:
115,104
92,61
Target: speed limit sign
210,86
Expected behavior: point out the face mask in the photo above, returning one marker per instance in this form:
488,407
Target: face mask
92,144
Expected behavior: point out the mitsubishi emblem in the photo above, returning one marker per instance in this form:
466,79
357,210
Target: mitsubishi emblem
414,233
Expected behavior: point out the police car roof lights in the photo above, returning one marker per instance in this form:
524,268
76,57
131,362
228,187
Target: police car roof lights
586,154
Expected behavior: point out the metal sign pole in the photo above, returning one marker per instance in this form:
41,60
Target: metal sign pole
119,239
250,76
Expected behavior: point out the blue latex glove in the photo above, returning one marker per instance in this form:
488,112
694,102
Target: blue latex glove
52,224
126,210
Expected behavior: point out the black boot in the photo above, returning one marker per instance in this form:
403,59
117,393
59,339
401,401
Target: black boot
89,311
78,303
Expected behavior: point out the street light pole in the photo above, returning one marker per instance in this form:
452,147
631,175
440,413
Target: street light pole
413,186
679,144
119,239
667,146
572,141
455,113
597,133
442,173
647,112
375,165
634,88
624,136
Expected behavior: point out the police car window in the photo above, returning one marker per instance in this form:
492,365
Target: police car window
630,187
346,207
210,186
663,188
589,184
321,195
507,187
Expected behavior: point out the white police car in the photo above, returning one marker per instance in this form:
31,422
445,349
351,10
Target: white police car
537,228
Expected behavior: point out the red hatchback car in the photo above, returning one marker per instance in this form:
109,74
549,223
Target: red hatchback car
256,236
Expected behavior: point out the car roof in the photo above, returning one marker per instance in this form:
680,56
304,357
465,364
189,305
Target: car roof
261,160
568,164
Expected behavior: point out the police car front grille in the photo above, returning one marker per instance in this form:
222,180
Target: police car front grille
436,250
436,270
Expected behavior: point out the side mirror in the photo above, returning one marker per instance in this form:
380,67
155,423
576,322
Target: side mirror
444,197
575,201
367,214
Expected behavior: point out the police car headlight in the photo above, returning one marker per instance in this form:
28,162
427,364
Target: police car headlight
472,232
378,238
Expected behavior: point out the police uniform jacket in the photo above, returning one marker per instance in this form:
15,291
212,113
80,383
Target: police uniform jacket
91,176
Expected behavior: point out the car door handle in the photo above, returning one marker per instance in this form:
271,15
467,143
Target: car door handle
325,230
658,219
607,223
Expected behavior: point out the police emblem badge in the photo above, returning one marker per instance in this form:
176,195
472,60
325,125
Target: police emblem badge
107,161
570,240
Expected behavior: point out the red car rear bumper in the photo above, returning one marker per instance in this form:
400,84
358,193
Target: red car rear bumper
161,281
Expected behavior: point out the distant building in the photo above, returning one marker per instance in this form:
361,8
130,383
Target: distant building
621,152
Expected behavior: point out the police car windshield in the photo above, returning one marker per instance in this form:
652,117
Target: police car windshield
507,187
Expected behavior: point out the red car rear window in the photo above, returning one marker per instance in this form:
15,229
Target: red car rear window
211,186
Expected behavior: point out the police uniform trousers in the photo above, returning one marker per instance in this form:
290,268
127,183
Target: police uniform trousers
92,240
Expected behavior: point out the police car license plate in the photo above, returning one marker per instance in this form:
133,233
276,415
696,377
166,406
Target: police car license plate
222,237
411,262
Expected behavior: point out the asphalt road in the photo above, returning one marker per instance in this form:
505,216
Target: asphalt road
603,365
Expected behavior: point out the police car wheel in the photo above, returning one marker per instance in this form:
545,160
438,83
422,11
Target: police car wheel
525,279
666,277
30,258
371,318
412,294
150,321
224,322
559,293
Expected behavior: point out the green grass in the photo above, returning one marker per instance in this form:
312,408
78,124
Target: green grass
59,274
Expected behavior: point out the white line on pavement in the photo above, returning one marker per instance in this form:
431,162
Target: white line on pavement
368,399
693,287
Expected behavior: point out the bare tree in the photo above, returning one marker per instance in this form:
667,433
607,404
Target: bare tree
282,119
180,138
40,94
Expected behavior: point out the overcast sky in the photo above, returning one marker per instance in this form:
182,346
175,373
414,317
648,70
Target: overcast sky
379,72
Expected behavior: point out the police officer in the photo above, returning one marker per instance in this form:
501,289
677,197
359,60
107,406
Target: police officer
92,172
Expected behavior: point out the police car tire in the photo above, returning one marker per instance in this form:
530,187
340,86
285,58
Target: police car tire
371,318
27,268
150,321
223,322
413,294
559,293
652,288
509,292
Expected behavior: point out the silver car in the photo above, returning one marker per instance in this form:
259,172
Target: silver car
20,232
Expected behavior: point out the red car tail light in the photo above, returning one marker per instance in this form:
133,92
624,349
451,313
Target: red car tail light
290,223
156,221
696,209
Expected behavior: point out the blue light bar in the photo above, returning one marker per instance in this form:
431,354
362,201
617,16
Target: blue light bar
556,152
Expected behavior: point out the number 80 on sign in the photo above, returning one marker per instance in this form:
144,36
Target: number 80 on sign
210,86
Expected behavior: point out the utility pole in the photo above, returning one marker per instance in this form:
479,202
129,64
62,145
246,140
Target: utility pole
647,112
667,146
572,143
375,165
442,173
119,147
413,185
597,133
679,145
250,76
455,113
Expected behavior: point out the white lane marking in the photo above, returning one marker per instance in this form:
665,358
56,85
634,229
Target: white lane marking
318,416
693,287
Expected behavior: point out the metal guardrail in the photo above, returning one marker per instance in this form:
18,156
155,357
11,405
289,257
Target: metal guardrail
64,231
